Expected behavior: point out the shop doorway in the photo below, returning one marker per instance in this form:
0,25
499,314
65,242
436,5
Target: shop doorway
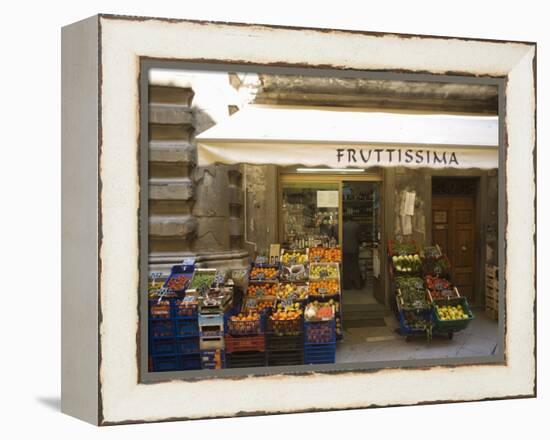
454,228
314,209
361,242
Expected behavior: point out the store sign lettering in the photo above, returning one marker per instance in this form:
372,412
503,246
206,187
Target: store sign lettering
394,155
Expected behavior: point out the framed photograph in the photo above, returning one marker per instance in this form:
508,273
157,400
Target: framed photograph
263,219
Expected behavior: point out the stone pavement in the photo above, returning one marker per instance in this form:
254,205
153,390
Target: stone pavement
366,344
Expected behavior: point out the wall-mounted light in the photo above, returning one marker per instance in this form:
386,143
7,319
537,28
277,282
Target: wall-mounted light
330,170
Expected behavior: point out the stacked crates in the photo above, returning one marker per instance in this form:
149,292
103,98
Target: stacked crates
491,291
320,342
284,341
173,335
212,345
245,344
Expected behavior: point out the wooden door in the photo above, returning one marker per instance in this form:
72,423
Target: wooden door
453,229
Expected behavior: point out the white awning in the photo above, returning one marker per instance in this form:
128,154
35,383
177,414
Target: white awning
315,137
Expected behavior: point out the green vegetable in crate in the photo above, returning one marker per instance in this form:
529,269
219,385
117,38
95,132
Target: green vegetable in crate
202,280
412,291
404,248
407,263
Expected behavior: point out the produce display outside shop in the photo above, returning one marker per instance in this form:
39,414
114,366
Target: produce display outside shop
267,317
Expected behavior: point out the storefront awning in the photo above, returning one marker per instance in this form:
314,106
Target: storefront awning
315,137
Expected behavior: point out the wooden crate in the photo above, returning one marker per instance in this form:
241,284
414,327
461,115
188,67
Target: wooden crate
491,291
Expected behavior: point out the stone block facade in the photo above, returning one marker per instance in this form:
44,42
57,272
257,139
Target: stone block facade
192,211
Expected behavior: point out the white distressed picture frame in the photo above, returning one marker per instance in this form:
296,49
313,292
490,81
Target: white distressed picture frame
101,208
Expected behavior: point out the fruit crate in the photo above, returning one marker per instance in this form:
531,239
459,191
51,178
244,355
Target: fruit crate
320,254
244,327
187,345
285,327
180,278
258,272
294,257
162,328
212,359
320,353
165,363
320,332
284,343
186,327
163,346
160,308
282,358
185,307
245,359
244,343
324,271
451,326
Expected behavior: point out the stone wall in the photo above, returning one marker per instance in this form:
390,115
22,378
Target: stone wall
192,211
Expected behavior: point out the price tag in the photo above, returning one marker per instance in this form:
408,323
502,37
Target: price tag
292,260
317,259
322,290
260,276
447,292
323,273
260,292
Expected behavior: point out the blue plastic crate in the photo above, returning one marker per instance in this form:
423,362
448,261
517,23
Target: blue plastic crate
211,325
320,332
186,327
162,328
320,353
187,345
189,362
181,269
165,363
160,309
163,346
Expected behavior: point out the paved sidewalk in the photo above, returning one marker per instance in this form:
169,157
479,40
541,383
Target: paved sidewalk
385,344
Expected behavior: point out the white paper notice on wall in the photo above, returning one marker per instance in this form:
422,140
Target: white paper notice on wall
406,224
407,203
327,199
375,263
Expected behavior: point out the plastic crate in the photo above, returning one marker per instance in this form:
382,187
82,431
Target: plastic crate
163,346
189,362
183,308
238,328
165,363
212,359
187,345
285,327
456,324
211,325
160,309
260,277
284,343
244,343
180,271
320,353
320,332
186,327
282,358
212,343
245,359
162,328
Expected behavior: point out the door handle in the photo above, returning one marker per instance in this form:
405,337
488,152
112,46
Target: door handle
463,248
